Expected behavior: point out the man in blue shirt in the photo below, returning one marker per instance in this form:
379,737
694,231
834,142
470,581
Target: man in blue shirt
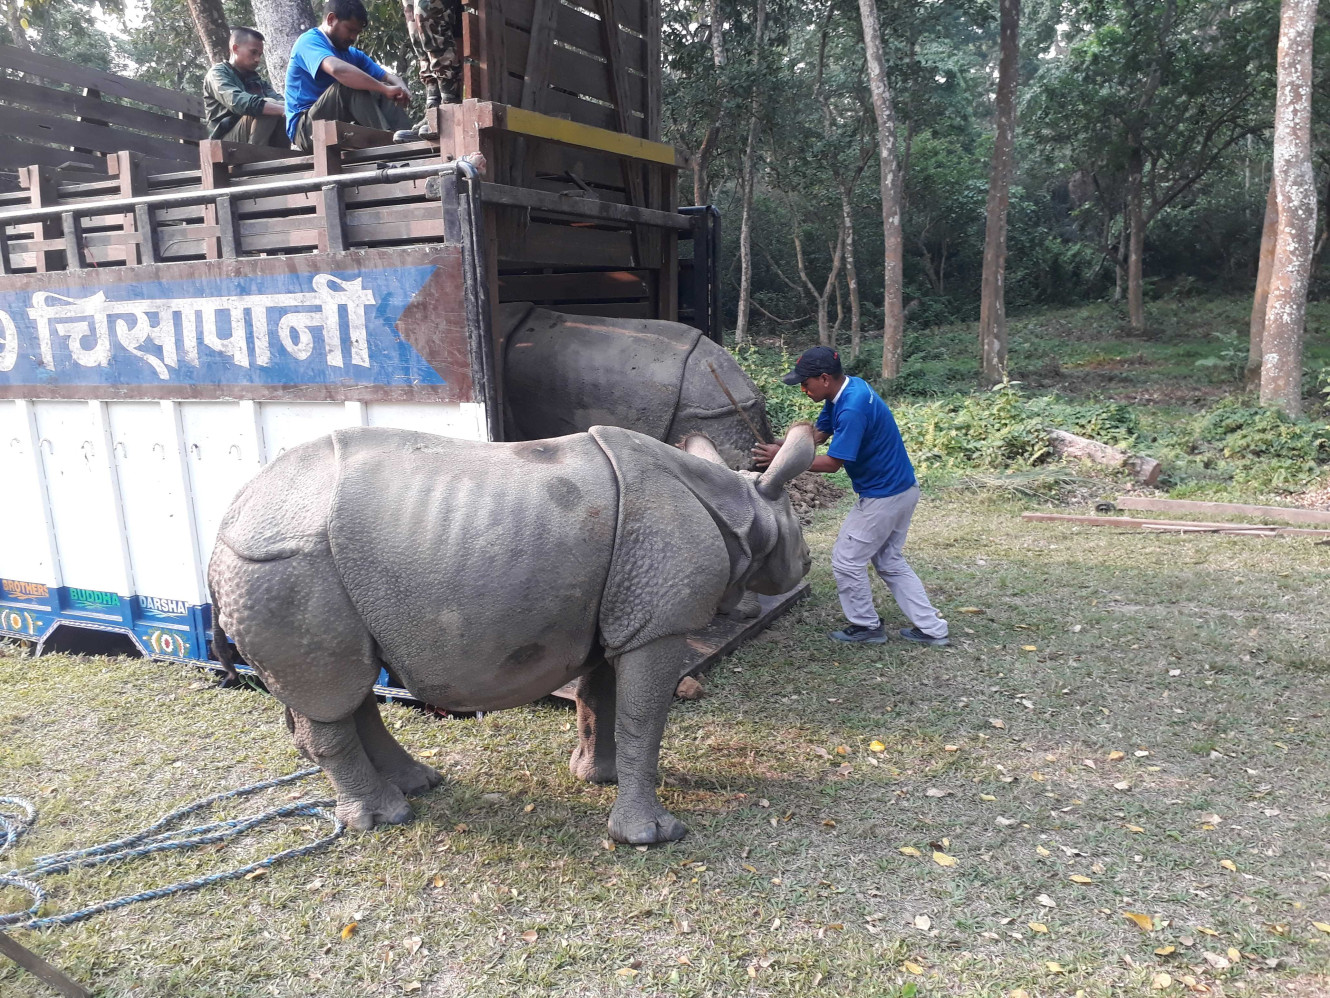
330,80
866,442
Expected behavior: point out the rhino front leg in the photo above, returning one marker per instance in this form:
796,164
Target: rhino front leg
645,684
594,758
393,762
364,798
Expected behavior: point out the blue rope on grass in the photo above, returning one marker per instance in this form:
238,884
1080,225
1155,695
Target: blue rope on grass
151,840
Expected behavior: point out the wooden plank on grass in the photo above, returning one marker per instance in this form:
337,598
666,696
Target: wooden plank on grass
1280,513
40,969
1134,524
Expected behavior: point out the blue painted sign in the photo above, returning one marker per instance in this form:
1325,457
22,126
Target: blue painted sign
334,328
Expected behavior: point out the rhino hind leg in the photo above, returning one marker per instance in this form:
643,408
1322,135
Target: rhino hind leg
645,680
393,763
364,797
594,758
293,621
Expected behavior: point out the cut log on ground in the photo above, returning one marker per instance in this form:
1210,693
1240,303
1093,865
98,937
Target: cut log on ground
1144,469
1281,513
1189,526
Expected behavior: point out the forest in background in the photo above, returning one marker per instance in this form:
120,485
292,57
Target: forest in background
1184,88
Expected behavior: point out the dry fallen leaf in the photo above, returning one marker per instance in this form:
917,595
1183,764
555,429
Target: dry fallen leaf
828,823
349,929
876,746
1042,851
1161,981
842,750
1216,961
997,722
1166,951
1135,829
1038,927
942,859
1144,922
531,935
409,987
1234,955
1122,785
1080,878
1228,864
626,972
438,880
951,748
412,944
1018,993
923,922
1207,932
1115,755
256,874
1055,968
910,851
1323,926
987,797
912,968
971,609
936,792
1029,647
1046,901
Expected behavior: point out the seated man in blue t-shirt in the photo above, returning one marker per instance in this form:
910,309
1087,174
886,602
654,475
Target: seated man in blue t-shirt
866,442
330,80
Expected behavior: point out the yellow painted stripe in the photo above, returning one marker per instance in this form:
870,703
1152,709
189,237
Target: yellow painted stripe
574,133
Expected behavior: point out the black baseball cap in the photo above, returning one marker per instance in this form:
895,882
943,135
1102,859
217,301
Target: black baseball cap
811,363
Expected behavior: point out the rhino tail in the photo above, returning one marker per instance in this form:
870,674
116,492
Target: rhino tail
224,651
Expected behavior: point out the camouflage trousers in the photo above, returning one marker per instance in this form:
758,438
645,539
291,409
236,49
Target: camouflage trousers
434,26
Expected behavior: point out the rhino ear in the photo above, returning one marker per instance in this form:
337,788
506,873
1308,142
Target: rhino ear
793,459
700,445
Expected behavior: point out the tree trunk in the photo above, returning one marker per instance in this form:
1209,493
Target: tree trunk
701,164
14,15
992,301
210,23
1269,230
893,323
825,336
281,22
746,181
717,35
1295,194
1119,270
1136,241
851,273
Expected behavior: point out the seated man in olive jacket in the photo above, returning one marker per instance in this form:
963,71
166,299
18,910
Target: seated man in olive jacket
240,105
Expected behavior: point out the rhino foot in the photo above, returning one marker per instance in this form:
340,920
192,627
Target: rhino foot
584,766
748,607
641,826
388,807
413,779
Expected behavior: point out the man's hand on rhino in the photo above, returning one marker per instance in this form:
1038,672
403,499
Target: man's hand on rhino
764,454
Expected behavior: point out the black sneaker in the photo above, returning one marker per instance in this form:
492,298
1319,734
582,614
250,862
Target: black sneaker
859,634
914,634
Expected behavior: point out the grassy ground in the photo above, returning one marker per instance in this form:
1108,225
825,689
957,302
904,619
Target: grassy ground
1210,654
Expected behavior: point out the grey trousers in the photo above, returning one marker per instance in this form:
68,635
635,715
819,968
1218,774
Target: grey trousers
259,130
358,107
874,531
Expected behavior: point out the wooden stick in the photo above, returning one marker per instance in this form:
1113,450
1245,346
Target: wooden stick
735,402
1283,514
1126,521
40,969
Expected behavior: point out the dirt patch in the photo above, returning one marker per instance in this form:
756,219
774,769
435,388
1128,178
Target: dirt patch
812,491
1104,362
1317,498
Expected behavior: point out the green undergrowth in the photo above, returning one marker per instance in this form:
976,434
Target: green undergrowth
1177,403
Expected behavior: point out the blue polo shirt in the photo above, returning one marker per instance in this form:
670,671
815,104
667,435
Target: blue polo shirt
306,82
865,437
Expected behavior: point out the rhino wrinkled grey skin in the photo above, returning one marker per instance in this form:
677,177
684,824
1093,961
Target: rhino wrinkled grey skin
567,373
487,575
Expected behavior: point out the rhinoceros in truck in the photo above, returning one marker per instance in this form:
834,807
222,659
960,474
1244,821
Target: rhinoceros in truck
566,373
487,575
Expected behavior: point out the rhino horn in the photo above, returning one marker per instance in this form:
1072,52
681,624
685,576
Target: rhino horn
700,445
793,459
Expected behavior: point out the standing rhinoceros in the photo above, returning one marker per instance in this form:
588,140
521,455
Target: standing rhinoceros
567,373
487,575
